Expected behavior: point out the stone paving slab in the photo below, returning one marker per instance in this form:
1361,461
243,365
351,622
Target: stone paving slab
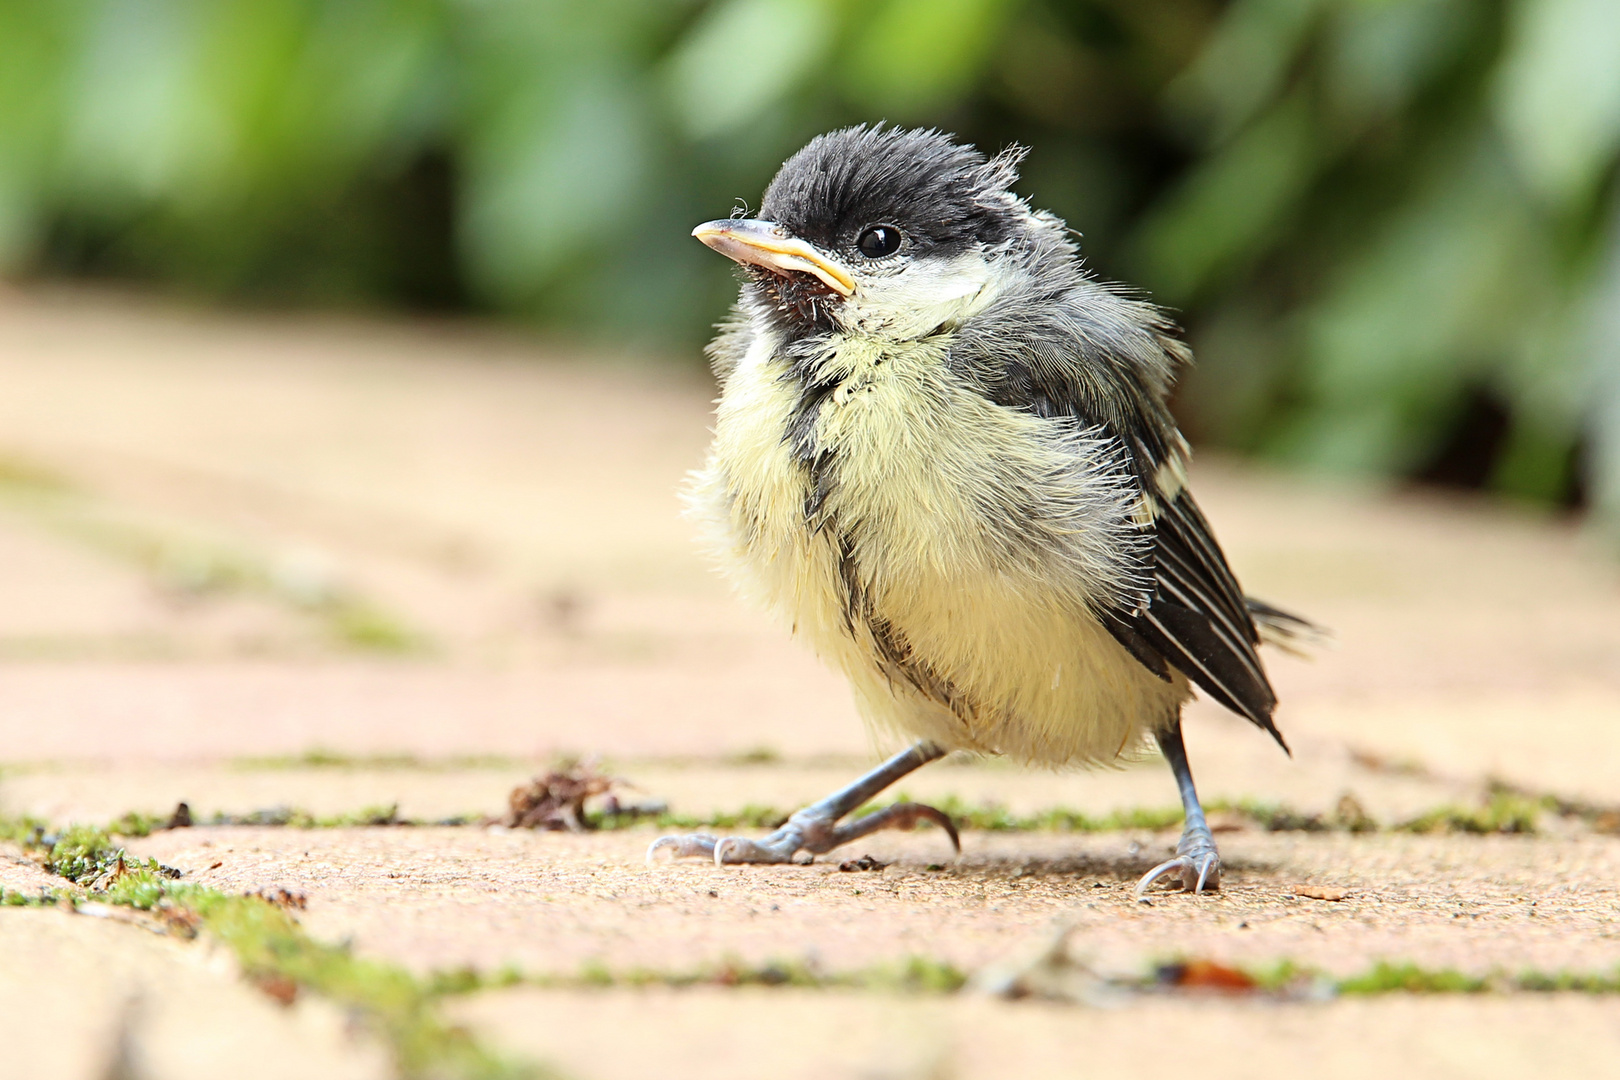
20,874
163,712
551,902
797,1035
83,998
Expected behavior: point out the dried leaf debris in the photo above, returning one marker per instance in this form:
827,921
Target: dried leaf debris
556,800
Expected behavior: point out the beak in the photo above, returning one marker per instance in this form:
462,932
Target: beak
762,243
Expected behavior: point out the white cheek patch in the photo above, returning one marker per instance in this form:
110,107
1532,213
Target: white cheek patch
921,296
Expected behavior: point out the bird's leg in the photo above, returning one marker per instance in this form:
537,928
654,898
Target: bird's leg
1196,861
815,829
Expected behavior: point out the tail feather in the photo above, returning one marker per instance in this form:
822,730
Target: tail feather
1287,631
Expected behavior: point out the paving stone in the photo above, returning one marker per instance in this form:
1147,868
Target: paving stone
552,902
791,1034
84,998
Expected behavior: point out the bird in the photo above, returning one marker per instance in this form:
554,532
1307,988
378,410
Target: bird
943,455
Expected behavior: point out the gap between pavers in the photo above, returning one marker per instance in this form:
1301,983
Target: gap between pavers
1233,765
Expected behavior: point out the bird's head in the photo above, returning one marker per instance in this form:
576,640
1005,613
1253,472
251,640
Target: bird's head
883,231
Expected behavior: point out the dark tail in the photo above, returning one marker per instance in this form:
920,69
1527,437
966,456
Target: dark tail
1288,632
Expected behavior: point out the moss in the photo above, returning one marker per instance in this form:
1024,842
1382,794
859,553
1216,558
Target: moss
1278,977
322,758
293,818
87,856
21,475
922,974
1568,982
274,953
913,975
190,566
468,980
759,755
44,898
362,818
1502,813
137,824
143,888
80,853
1285,979
1387,978
270,946
751,816
1602,817
23,831
1272,817
370,629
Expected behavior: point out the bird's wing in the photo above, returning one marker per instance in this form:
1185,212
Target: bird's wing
1107,360
1197,618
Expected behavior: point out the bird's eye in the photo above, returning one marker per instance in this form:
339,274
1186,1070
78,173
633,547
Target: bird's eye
878,241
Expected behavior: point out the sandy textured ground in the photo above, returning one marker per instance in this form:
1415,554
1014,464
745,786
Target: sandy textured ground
207,524
550,903
741,1034
90,997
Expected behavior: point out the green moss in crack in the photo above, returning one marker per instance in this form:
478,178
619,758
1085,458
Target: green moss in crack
136,824
455,982
80,853
324,758
759,755
1568,982
19,474
912,975
1502,813
290,817
370,629
751,816
274,951
199,567
43,898
26,832
87,856
1387,978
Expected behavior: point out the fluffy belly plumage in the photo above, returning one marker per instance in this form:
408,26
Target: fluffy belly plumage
891,569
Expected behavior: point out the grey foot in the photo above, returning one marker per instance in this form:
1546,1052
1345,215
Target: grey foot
1197,864
812,830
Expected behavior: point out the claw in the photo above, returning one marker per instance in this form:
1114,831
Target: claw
698,844
1206,865
898,816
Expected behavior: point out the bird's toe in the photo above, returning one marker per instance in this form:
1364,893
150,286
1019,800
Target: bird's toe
697,845
1196,871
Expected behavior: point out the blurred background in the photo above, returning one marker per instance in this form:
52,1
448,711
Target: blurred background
1392,227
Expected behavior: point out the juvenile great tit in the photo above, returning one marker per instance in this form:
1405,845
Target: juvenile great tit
943,455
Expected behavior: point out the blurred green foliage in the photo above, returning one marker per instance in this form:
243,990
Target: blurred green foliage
1391,226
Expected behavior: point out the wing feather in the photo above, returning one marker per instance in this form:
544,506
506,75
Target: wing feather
1198,617
1089,351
